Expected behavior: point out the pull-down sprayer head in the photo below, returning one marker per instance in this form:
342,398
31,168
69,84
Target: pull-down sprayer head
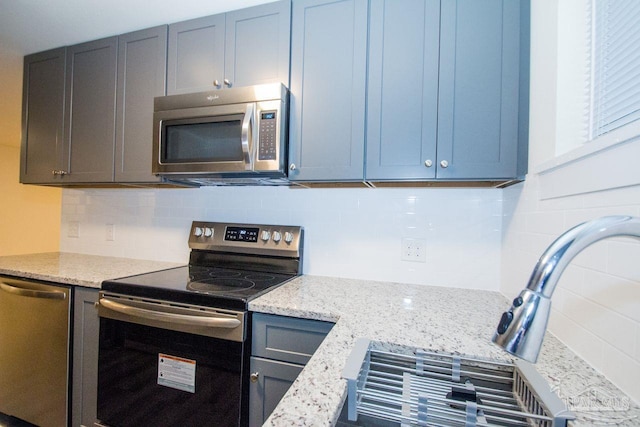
521,328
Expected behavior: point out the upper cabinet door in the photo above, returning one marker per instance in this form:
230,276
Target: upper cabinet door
402,97
479,89
257,44
142,59
90,112
196,55
42,117
328,84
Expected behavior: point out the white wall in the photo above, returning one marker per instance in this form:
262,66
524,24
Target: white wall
353,233
596,307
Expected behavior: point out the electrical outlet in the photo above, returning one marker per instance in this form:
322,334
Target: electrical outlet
413,250
73,229
110,232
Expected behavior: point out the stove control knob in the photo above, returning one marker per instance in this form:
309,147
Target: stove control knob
265,236
288,237
277,236
208,232
197,231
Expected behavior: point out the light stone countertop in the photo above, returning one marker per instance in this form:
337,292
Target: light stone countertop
403,317
76,269
395,316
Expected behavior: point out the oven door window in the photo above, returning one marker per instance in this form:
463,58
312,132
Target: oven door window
129,393
197,140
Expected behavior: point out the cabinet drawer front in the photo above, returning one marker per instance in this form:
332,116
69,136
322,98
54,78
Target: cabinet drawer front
286,338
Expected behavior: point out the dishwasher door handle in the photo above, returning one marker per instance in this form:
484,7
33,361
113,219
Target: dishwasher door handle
32,293
183,319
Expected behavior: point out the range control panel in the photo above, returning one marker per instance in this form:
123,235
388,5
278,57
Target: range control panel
274,240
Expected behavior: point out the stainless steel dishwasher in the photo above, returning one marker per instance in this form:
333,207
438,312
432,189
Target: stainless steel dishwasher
34,351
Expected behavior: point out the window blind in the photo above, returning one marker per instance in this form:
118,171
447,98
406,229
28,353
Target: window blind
616,65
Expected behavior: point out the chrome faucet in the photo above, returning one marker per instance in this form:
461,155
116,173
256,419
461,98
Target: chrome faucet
521,329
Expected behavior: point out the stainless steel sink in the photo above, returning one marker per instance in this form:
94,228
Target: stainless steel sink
437,389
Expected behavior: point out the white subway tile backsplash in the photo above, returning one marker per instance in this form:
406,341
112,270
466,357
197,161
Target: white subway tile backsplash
579,339
622,370
551,223
603,322
623,258
596,306
348,232
613,292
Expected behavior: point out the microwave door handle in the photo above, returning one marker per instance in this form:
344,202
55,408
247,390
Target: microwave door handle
247,135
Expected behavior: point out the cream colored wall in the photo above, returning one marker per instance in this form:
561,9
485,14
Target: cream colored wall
29,215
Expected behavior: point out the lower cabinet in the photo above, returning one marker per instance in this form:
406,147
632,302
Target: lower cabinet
84,395
280,348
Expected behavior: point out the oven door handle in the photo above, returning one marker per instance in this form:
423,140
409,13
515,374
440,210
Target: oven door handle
183,319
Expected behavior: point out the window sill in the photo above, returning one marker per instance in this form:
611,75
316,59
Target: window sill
608,162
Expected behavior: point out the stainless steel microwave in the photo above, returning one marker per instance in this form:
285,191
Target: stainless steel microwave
233,134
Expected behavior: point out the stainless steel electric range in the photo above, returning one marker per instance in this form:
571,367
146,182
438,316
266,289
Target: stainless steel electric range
175,344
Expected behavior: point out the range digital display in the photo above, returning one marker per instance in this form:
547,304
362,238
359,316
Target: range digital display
269,116
241,234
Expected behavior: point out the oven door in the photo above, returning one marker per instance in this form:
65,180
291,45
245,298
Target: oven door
215,139
150,375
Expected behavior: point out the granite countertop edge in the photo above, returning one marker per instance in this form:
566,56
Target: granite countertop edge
77,269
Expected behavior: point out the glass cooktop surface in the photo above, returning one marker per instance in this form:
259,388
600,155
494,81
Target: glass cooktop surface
209,286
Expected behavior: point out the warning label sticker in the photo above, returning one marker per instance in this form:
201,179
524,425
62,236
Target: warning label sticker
177,372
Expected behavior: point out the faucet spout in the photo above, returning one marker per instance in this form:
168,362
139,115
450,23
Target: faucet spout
521,328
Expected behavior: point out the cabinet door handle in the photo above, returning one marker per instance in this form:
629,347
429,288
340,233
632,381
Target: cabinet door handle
254,377
217,84
227,82
428,163
444,164
32,293
292,167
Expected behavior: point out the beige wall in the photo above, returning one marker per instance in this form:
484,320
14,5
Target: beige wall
29,215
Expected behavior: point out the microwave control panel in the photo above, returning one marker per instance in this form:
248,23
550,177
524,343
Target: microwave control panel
268,140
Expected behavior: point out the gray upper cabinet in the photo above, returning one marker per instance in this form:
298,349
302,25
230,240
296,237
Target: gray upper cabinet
258,44
42,117
328,88
483,89
90,111
402,97
444,89
245,47
196,55
141,77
